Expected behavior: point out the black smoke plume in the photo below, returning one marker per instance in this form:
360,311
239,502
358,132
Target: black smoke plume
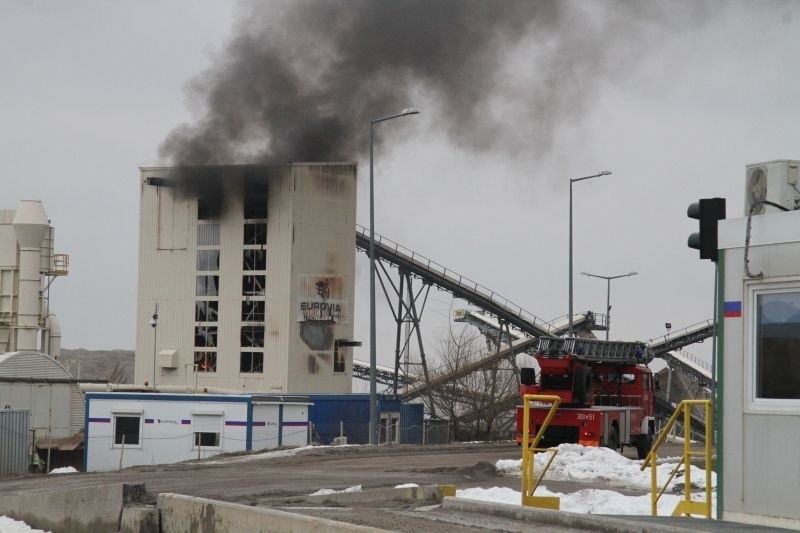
300,80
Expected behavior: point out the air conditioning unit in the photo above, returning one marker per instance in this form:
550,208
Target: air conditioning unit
774,181
168,358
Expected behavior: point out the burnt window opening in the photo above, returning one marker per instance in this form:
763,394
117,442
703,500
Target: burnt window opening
251,362
338,361
313,364
205,361
254,285
255,233
253,311
208,260
208,234
254,260
207,286
205,336
252,336
209,208
256,194
206,311
126,429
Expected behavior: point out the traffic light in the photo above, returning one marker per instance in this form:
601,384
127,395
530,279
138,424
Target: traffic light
708,211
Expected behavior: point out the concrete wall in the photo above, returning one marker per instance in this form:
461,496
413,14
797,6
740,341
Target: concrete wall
187,514
81,510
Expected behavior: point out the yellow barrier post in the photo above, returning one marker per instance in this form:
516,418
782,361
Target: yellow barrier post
686,506
529,482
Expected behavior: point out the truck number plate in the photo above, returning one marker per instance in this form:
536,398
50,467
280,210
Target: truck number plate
585,416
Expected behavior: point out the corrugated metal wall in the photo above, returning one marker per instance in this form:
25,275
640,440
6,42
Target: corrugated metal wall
14,441
411,423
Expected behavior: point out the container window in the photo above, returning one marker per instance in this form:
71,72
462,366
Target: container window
207,430
127,429
207,260
777,346
251,362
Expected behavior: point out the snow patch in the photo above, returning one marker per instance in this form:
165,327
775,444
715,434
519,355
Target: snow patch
583,464
325,492
9,525
63,470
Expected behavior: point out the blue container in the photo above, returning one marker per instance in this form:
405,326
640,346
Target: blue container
346,413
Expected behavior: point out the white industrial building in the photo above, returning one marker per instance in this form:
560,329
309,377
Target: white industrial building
28,265
31,378
246,278
127,429
759,341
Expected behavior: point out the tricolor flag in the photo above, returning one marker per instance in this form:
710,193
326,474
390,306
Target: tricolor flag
733,309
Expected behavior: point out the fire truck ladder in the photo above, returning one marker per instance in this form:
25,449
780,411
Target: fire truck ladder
491,327
598,351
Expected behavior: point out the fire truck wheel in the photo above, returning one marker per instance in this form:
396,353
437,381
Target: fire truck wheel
613,438
643,446
583,383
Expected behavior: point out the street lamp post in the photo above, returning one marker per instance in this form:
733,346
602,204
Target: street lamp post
571,181
608,294
373,396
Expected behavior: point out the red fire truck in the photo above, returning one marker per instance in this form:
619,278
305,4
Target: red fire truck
606,392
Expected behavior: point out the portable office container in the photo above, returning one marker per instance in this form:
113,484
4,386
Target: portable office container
126,429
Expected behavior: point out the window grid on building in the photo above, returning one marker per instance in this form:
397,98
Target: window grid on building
254,277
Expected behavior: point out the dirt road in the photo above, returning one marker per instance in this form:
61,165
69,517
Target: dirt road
278,482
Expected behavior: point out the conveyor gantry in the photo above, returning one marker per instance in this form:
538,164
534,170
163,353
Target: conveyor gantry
461,287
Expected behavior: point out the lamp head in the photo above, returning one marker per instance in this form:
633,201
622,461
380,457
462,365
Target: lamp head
410,111
604,173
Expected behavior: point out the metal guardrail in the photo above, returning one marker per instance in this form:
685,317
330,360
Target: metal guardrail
529,448
453,282
682,337
686,506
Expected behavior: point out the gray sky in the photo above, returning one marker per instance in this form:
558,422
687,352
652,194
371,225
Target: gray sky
90,89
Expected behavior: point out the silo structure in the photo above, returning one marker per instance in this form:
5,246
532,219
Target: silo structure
30,226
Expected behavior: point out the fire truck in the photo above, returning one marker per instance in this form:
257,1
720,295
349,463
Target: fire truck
606,392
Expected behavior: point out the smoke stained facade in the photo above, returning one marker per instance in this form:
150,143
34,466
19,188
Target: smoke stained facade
254,283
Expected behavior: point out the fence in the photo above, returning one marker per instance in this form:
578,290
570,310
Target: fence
15,441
